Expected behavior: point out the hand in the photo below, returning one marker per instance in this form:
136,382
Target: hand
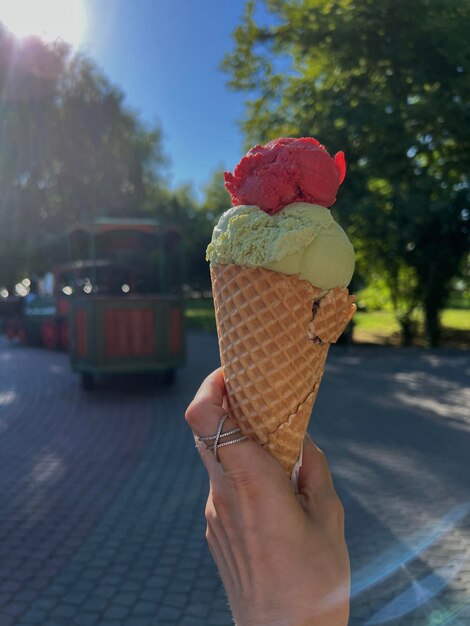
282,555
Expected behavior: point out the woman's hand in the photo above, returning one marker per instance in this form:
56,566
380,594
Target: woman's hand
281,555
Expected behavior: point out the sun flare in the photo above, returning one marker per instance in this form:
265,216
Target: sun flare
48,19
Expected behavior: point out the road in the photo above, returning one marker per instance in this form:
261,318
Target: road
102,494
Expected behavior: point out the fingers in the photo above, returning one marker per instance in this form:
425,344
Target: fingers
221,549
203,416
204,413
314,475
316,490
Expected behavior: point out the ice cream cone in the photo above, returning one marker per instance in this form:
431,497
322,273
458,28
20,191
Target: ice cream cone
274,333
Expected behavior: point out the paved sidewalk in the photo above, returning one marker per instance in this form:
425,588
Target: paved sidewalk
102,495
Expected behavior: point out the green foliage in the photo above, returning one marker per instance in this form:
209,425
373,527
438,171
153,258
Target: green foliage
387,82
216,200
375,296
216,197
69,151
197,221
180,207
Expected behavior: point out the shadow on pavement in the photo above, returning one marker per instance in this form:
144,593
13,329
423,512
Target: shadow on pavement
102,494
396,428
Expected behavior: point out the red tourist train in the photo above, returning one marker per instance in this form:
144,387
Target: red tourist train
117,306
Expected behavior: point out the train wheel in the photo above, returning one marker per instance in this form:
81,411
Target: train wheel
50,334
64,334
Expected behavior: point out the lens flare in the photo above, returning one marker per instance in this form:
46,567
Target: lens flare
419,592
390,561
48,19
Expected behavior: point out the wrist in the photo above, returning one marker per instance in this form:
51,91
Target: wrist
266,620
249,619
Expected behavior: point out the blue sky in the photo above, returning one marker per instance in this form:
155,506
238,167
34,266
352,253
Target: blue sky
165,55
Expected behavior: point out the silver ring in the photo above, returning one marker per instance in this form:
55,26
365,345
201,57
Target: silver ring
220,435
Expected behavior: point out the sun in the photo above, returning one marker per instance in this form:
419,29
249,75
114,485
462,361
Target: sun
48,19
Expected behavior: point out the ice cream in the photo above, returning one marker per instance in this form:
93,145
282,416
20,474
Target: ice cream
303,239
286,170
280,265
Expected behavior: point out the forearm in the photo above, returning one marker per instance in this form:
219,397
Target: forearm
294,616
309,621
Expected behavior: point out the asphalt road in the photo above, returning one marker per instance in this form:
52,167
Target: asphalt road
102,494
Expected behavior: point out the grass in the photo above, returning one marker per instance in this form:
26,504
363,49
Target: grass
381,327
374,327
456,318
200,314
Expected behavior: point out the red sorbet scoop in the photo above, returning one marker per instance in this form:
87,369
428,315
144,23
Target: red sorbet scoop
286,170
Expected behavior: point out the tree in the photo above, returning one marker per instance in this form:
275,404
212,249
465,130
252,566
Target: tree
69,151
216,197
180,207
388,83
203,216
216,200
28,75
196,220
105,151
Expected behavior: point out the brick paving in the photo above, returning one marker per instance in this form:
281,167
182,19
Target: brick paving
102,494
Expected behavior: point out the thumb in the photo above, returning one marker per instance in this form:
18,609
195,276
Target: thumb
314,475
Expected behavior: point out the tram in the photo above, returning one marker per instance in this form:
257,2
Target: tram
117,306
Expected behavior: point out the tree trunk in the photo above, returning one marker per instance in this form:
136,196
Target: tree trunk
407,331
432,323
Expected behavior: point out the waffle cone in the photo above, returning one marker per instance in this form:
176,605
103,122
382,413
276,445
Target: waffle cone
274,333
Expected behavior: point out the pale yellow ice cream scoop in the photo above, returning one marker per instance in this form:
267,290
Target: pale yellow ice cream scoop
303,239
